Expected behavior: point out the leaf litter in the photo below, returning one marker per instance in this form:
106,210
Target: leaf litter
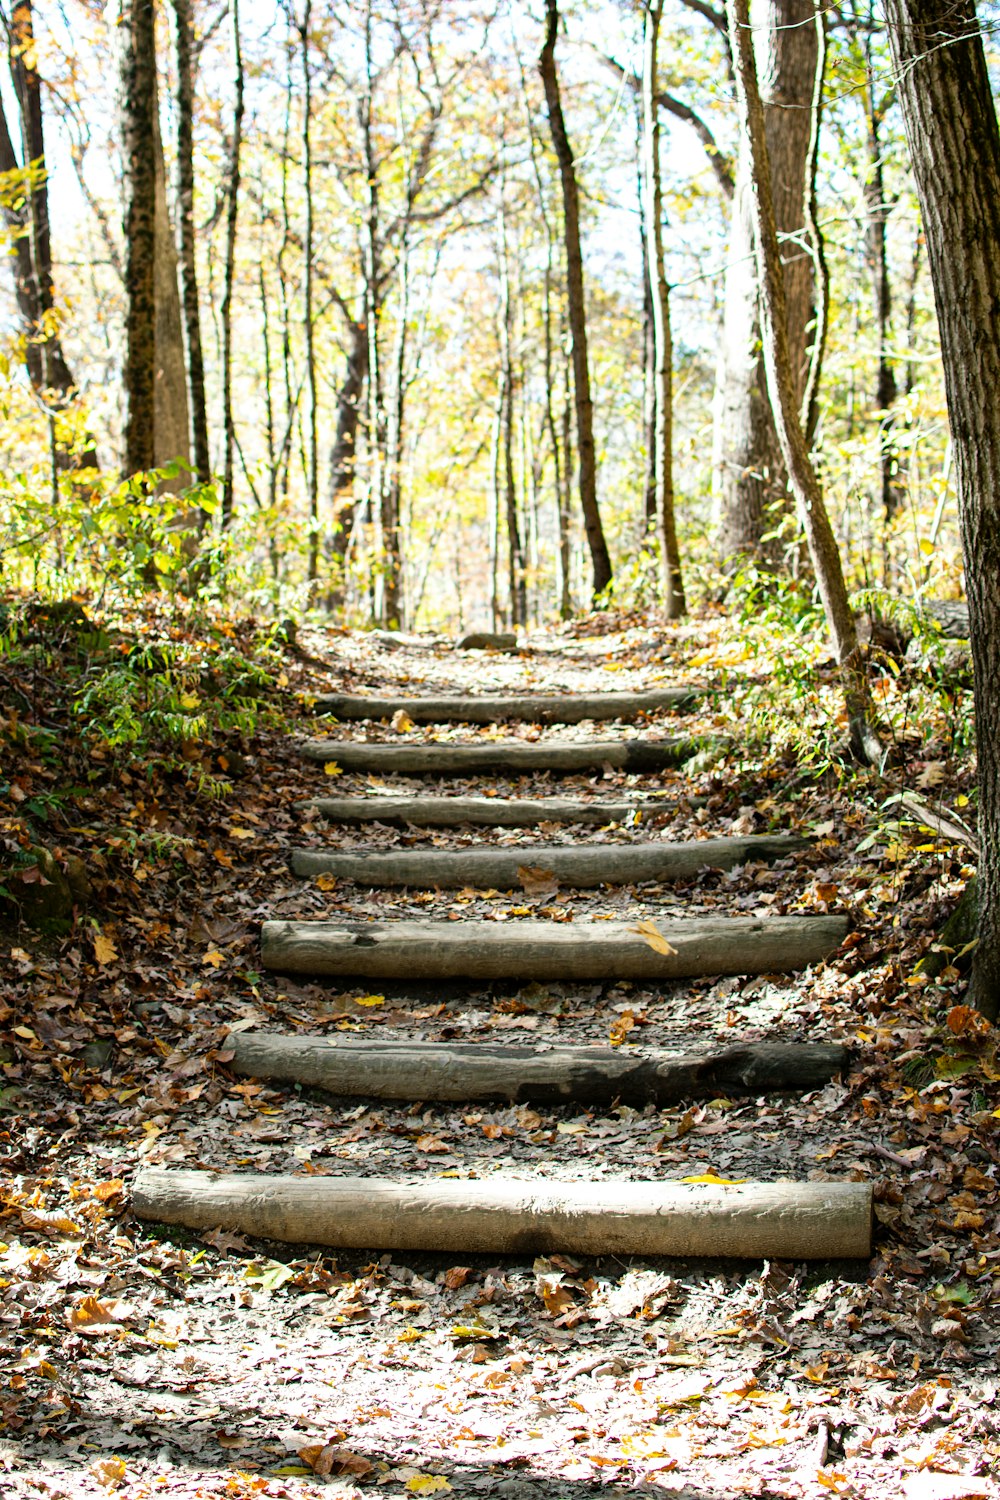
141,1362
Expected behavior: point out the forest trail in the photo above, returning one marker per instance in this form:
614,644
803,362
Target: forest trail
507,1117
794,1221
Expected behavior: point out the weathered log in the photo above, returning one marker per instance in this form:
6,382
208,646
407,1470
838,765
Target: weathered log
531,708
549,950
488,812
449,1071
506,757
752,1220
950,615
579,866
487,640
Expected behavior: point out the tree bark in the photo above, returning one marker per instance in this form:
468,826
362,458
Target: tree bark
172,437
515,550
343,456
25,292
226,314
750,476
137,60
485,812
458,1072
312,446
663,350
532,708
566,951
513,757
586,455
186,243
776,1220
580,867
951,127
778,364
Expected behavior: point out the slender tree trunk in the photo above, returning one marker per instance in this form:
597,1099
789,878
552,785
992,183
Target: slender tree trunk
232,224
886,390
648,347
25,290
343,456
816,351
785,400
663,349
750,479
138,98
393,607
515,549
186,244
951,126
173,425
565,493
587,459
312,474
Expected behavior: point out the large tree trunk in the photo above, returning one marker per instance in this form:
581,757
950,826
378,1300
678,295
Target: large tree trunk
25,292
312,472
951,126
137,62
750,478
343,456
587,458
186,240
663,348
229,274
785,399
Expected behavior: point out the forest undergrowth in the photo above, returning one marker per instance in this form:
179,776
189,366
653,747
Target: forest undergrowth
148,785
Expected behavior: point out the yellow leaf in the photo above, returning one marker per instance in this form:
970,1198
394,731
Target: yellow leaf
242,833
215,958
26,1033
653,936
108,1472
427,1484
332,769
189,702
326,881
104,950
401,722
371,1001
711,1177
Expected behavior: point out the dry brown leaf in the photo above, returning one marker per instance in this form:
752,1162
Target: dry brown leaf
535,880
457,1276
431,1144
91,1314
653,936
104,950
48,1222
326,881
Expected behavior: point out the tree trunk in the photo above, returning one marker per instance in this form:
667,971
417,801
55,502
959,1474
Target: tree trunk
312,474
172,439
785,399
587,459
663,349
577,867
137,55
343,456
951,126
232,222
504,1216
750,477
186,244
515,549
25,290
463,1072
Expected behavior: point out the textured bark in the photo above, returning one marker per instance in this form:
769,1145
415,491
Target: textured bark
778,1220
308,315
516,588
663,348
456,1071
186,246
485,812
778,364
508,758
576,298
172,439
578,867
549,950
137,61
951,126
229,273
19,225
533,708
343,455
750,479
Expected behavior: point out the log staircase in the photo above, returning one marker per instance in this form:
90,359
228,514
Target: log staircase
786,1220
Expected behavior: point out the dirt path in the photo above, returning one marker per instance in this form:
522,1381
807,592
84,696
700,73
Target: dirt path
147,1362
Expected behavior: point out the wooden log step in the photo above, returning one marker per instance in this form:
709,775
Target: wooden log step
450,1071
532,708
488,812
550,950
499,1215
579,866
506,757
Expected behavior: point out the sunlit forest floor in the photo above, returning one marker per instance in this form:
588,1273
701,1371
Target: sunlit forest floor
152,755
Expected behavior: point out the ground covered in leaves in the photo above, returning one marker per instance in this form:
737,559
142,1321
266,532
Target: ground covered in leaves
153,757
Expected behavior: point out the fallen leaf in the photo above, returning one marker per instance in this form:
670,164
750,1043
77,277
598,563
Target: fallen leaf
427,1484
242,833
535,880
431,1144
401,722
653,936
710,1177
108,1471
326,881
457,1276
104,950
332,769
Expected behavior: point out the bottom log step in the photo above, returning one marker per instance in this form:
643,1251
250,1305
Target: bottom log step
499,1215
450,1071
